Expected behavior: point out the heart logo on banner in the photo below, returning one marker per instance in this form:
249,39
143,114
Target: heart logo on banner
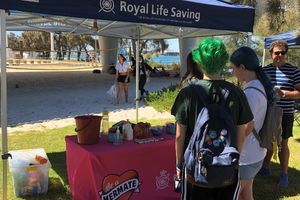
121,187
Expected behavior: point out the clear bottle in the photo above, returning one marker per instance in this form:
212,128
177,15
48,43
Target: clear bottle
118,139
105,121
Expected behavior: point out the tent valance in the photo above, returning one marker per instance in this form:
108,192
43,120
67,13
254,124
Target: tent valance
291,37
205,14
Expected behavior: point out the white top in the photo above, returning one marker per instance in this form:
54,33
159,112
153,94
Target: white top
122,68
252,152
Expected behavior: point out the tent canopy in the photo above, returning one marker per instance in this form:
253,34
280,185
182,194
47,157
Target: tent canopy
291,37
119,18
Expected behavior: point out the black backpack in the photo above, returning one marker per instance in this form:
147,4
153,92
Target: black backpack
211,160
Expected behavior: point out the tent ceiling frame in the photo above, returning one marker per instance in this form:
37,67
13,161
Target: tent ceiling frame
151,31
33,27
120,35
75,28
106,26
160,31
64,20
20,19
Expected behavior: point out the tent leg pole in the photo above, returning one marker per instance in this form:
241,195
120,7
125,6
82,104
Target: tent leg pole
137,79
3,101
52,46
183,68
264,57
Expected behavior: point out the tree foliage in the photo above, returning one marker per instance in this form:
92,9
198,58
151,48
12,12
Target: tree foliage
14,41
37,41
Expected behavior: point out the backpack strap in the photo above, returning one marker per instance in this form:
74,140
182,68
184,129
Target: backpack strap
257,89
260,91
201,93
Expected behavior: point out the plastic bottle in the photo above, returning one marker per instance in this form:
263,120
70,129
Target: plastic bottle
127,131
105,121
118,139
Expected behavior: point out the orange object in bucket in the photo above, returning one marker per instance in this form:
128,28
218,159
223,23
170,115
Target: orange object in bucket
87,128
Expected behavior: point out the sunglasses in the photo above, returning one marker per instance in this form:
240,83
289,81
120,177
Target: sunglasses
277,53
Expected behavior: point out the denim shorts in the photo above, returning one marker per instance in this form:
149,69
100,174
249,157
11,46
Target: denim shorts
249,171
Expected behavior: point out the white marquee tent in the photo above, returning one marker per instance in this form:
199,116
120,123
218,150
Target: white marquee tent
132,19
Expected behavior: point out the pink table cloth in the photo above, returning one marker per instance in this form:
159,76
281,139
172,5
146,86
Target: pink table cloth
128,171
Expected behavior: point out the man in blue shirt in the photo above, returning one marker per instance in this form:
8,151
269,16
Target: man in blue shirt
286,79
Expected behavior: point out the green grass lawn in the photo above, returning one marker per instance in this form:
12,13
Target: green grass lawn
54,144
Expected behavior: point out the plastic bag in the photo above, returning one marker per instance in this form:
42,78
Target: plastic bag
112,91
148,76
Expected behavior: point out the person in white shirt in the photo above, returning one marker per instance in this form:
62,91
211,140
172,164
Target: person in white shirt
258,90
122,77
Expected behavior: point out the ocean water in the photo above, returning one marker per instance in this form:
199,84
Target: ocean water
166,59
161,59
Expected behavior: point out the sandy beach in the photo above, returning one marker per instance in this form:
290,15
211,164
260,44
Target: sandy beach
51,99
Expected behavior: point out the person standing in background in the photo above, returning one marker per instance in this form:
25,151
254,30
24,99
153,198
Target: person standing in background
286,79
193,72
122,77
143,67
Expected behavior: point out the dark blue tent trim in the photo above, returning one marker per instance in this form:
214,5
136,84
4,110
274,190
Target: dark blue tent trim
212,14
292,38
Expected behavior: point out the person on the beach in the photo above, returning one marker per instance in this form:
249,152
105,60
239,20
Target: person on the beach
193,72
286,79
122,77
258,90
211,54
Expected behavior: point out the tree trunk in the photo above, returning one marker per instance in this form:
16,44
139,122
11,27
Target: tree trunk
87,58
69,54
78,54
133,47
143,45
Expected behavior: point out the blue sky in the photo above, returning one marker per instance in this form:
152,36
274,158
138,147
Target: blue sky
173,45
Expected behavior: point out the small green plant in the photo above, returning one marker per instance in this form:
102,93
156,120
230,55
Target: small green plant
163,100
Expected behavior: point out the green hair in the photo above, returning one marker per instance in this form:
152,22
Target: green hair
212,55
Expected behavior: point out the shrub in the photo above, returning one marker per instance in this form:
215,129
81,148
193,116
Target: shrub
163,100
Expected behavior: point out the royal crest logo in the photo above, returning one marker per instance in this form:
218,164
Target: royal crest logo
107,6
162,181
121,187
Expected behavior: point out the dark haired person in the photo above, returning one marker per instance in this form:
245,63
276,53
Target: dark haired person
286,79
257,87
122,77
193,72
144,68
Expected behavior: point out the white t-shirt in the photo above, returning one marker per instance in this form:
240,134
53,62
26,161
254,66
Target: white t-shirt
252,152
122,68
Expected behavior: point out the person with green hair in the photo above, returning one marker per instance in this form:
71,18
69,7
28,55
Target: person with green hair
212,56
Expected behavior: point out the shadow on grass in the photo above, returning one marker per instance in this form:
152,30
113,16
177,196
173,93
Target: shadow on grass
59,164
265,187
298,139
56,190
